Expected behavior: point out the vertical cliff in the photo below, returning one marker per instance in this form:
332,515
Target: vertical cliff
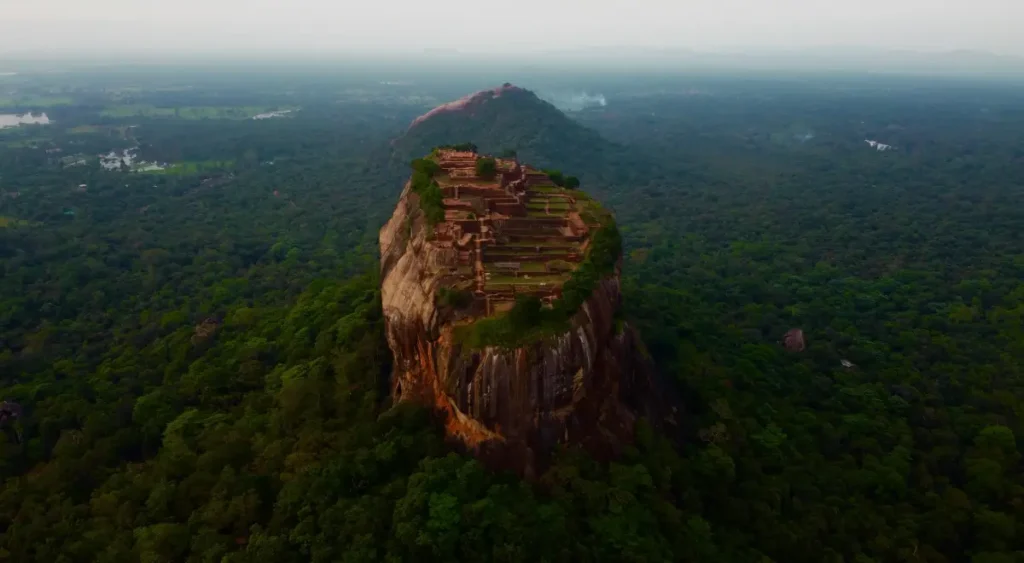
584,381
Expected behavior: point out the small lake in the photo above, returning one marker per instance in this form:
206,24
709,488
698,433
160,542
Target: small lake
14,120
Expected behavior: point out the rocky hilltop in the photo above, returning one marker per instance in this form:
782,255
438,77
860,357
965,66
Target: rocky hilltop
501,294
509,117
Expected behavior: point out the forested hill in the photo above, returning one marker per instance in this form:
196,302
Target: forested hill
509,118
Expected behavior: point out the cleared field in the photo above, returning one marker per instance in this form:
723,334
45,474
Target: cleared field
85,129
182,168
8,222
137,111
187,112
35,102
26,143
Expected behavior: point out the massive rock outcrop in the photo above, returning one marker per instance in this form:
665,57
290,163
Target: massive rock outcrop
510,117
510,405
466,103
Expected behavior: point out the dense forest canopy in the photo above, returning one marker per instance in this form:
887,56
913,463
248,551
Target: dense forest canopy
192,351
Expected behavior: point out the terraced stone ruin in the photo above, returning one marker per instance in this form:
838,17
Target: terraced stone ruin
471,241
516,234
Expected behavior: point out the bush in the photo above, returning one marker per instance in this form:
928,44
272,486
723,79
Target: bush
486,168
454,298
560,266
420,181
426,166
423,184
556,177
572,182
462,147
432,203
526,321
525,314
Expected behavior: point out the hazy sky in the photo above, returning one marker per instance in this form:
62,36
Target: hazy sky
168,26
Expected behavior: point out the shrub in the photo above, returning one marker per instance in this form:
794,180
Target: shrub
560,266
556,177
432,203
486,168
420,181
525,314
454,298
572,182
423,184
462,147
426,166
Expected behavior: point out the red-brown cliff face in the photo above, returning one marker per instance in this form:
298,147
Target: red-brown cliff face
587,385
466,103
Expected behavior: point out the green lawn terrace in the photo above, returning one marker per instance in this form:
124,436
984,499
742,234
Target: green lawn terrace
511,234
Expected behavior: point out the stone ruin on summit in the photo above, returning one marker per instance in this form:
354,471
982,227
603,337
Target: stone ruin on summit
516,234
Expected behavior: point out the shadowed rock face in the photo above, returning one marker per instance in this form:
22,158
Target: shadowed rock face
511,406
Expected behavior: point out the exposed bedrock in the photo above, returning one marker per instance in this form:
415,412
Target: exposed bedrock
511,407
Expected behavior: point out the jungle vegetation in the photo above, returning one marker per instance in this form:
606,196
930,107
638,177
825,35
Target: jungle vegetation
202,374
